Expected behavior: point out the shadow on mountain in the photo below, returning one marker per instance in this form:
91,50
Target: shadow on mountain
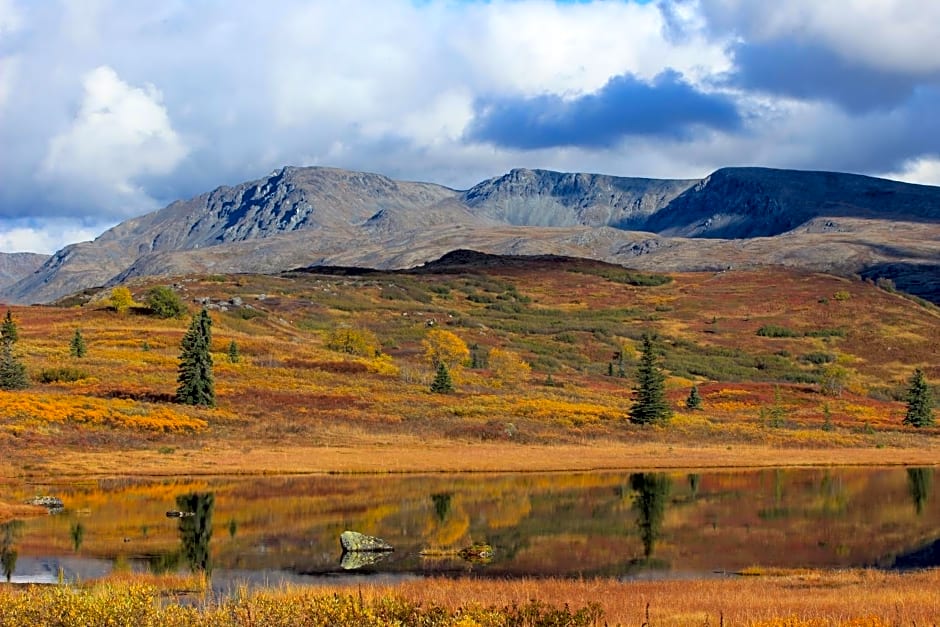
919,279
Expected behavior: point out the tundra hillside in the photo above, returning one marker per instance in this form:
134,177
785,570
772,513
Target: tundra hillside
309,367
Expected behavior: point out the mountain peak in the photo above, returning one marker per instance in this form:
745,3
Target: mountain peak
298,216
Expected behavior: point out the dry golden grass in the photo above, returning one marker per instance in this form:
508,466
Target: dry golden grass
825,598
857,597
401,454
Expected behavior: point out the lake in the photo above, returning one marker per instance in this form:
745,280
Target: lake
269,530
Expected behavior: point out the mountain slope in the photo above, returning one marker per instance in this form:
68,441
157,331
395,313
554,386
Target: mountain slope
762,202
739,217
15,266
544,198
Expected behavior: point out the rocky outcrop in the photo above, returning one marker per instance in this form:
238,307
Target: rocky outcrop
355,542
545,198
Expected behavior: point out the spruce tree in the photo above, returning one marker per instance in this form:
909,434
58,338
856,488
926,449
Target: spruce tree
196,385
77,347
650,404
694,401
12,371
9,333
233,354
919,402
442,383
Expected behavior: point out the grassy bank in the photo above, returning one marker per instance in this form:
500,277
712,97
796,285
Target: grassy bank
799,598
400,454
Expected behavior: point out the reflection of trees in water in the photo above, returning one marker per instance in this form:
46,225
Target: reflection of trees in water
694,480
834,498
77,533
919,481
196,530
9,534
652,490
441,504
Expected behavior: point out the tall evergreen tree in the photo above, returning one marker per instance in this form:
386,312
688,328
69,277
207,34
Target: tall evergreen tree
442,383
12,371
77,347
919,402
650,387
196,385
9,333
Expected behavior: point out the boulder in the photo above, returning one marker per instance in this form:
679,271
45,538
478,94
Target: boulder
49,502
352,541
478,553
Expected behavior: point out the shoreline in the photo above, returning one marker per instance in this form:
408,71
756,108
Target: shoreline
447,456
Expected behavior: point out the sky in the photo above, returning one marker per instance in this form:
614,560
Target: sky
113,108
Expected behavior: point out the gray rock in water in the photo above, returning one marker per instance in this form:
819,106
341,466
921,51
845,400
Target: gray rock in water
353,541
49,502
177,514
359,559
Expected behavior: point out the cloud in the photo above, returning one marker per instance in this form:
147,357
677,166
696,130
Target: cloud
667,106
120,134
893,36
810,71
859,54
925,171
112,107
46,236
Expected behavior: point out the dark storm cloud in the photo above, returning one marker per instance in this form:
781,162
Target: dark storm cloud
668,107
885,142
814,72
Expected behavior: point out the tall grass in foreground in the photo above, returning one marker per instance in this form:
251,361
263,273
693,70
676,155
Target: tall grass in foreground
798,598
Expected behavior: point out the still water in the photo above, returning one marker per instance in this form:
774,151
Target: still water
271,530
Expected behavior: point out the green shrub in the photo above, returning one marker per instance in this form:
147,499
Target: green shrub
63,374
163,302
772,330
819,358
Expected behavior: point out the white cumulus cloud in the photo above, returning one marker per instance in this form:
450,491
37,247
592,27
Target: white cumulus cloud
120,133
45,236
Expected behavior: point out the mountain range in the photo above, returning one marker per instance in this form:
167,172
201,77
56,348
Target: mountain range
309,216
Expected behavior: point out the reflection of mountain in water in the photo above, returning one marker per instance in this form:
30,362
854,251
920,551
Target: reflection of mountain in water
927,556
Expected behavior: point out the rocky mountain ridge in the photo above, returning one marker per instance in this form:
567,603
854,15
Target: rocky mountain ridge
297,217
